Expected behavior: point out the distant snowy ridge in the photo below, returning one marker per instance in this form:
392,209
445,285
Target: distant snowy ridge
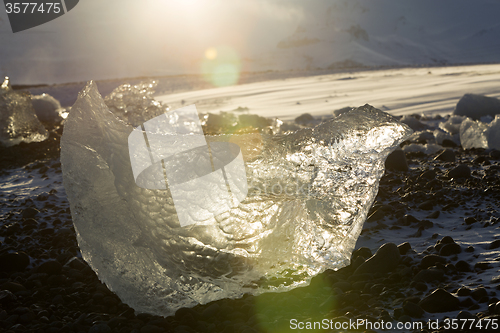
357,33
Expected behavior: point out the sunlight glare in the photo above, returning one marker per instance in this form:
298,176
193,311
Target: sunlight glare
211,53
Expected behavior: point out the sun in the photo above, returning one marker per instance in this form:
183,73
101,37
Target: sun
211,53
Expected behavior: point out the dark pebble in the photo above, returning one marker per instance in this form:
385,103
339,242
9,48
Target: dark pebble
7,297
481,266
450,249
465,315
495,244
357,262
429,275
469,249
446,240
428,174
467,303
434,215
463,291
383,261
396,161
363,252
211,311
448,143
431,260
460,171
447,155
14,262
342,285
413,310
420,286
495,154
13,286
50,267
30,213
100,328
151,329
462,266
440,301
470,220
479,293
404,248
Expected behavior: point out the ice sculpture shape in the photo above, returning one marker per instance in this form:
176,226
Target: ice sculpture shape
169,152
308,196
18,121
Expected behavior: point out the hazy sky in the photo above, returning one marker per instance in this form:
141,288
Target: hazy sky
127,36
101,39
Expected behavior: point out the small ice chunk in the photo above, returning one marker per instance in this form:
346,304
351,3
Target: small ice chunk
309,193
414,123
476,106
428,149
18,121
476,134
452,125
426,135
441,135
47,108
473,134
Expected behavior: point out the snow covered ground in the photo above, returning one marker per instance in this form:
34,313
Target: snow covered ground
397,91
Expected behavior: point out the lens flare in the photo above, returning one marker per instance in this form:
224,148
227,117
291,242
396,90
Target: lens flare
309,304
221,66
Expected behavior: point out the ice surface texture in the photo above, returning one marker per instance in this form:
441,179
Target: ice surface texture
476,134
308,196
18,121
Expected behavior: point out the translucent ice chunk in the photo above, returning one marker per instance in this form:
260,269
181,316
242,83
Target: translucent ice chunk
476,134
473,134
452,125
47,108
308,196
135,103
18,121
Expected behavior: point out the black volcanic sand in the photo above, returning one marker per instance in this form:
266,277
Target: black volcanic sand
45,286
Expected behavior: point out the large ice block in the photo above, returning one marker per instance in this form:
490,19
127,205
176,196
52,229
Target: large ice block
18,121
308,196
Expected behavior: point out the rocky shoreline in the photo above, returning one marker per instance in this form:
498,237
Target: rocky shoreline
438,217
